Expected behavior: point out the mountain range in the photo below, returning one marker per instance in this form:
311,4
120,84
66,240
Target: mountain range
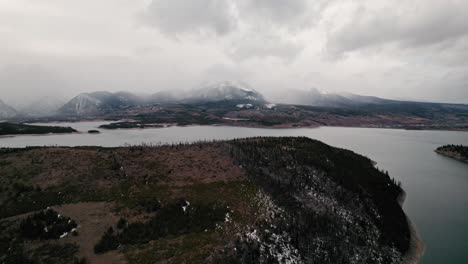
101,103
96,103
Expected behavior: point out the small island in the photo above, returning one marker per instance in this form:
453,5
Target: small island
458,152
93,131
24,129
127,125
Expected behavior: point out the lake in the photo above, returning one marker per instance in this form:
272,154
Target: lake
436,186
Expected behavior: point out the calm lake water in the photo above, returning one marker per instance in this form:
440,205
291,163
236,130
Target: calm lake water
437,187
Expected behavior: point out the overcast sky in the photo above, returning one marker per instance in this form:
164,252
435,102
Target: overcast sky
411,49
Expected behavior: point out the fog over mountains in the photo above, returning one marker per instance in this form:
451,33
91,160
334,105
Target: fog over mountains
315,97
6,111
100,102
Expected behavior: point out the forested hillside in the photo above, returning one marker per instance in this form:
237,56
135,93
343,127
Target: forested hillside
258,200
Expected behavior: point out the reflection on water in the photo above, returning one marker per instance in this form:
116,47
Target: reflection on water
436,186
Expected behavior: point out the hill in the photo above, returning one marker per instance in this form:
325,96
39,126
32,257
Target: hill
258,200
98,103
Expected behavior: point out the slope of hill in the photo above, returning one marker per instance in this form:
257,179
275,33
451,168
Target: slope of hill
259,200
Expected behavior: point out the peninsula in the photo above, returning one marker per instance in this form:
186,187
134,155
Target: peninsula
256,200
458,152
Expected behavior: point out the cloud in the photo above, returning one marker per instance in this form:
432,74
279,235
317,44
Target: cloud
406,24
180,16
288,14
249,28
264,46
56,46
223,16
24,83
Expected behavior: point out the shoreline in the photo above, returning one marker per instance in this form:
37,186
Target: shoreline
416,249
284,127
293,126
241,124
450,155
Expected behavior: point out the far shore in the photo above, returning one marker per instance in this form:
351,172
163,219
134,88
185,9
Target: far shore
240,124
295,125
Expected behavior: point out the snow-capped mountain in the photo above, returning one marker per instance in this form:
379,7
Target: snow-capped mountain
6,111
226,91
92,104
89,104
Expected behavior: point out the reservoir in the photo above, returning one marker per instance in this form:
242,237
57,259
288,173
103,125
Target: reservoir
436,186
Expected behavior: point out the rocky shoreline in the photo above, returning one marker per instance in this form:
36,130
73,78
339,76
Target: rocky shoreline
416,249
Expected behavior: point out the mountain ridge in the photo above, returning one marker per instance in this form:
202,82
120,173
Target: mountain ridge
102,102
218,95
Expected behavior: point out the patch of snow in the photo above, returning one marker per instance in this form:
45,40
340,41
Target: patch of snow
248,106
184,208
227,218
252,236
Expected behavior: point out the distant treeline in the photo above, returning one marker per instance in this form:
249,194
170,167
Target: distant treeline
18,129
